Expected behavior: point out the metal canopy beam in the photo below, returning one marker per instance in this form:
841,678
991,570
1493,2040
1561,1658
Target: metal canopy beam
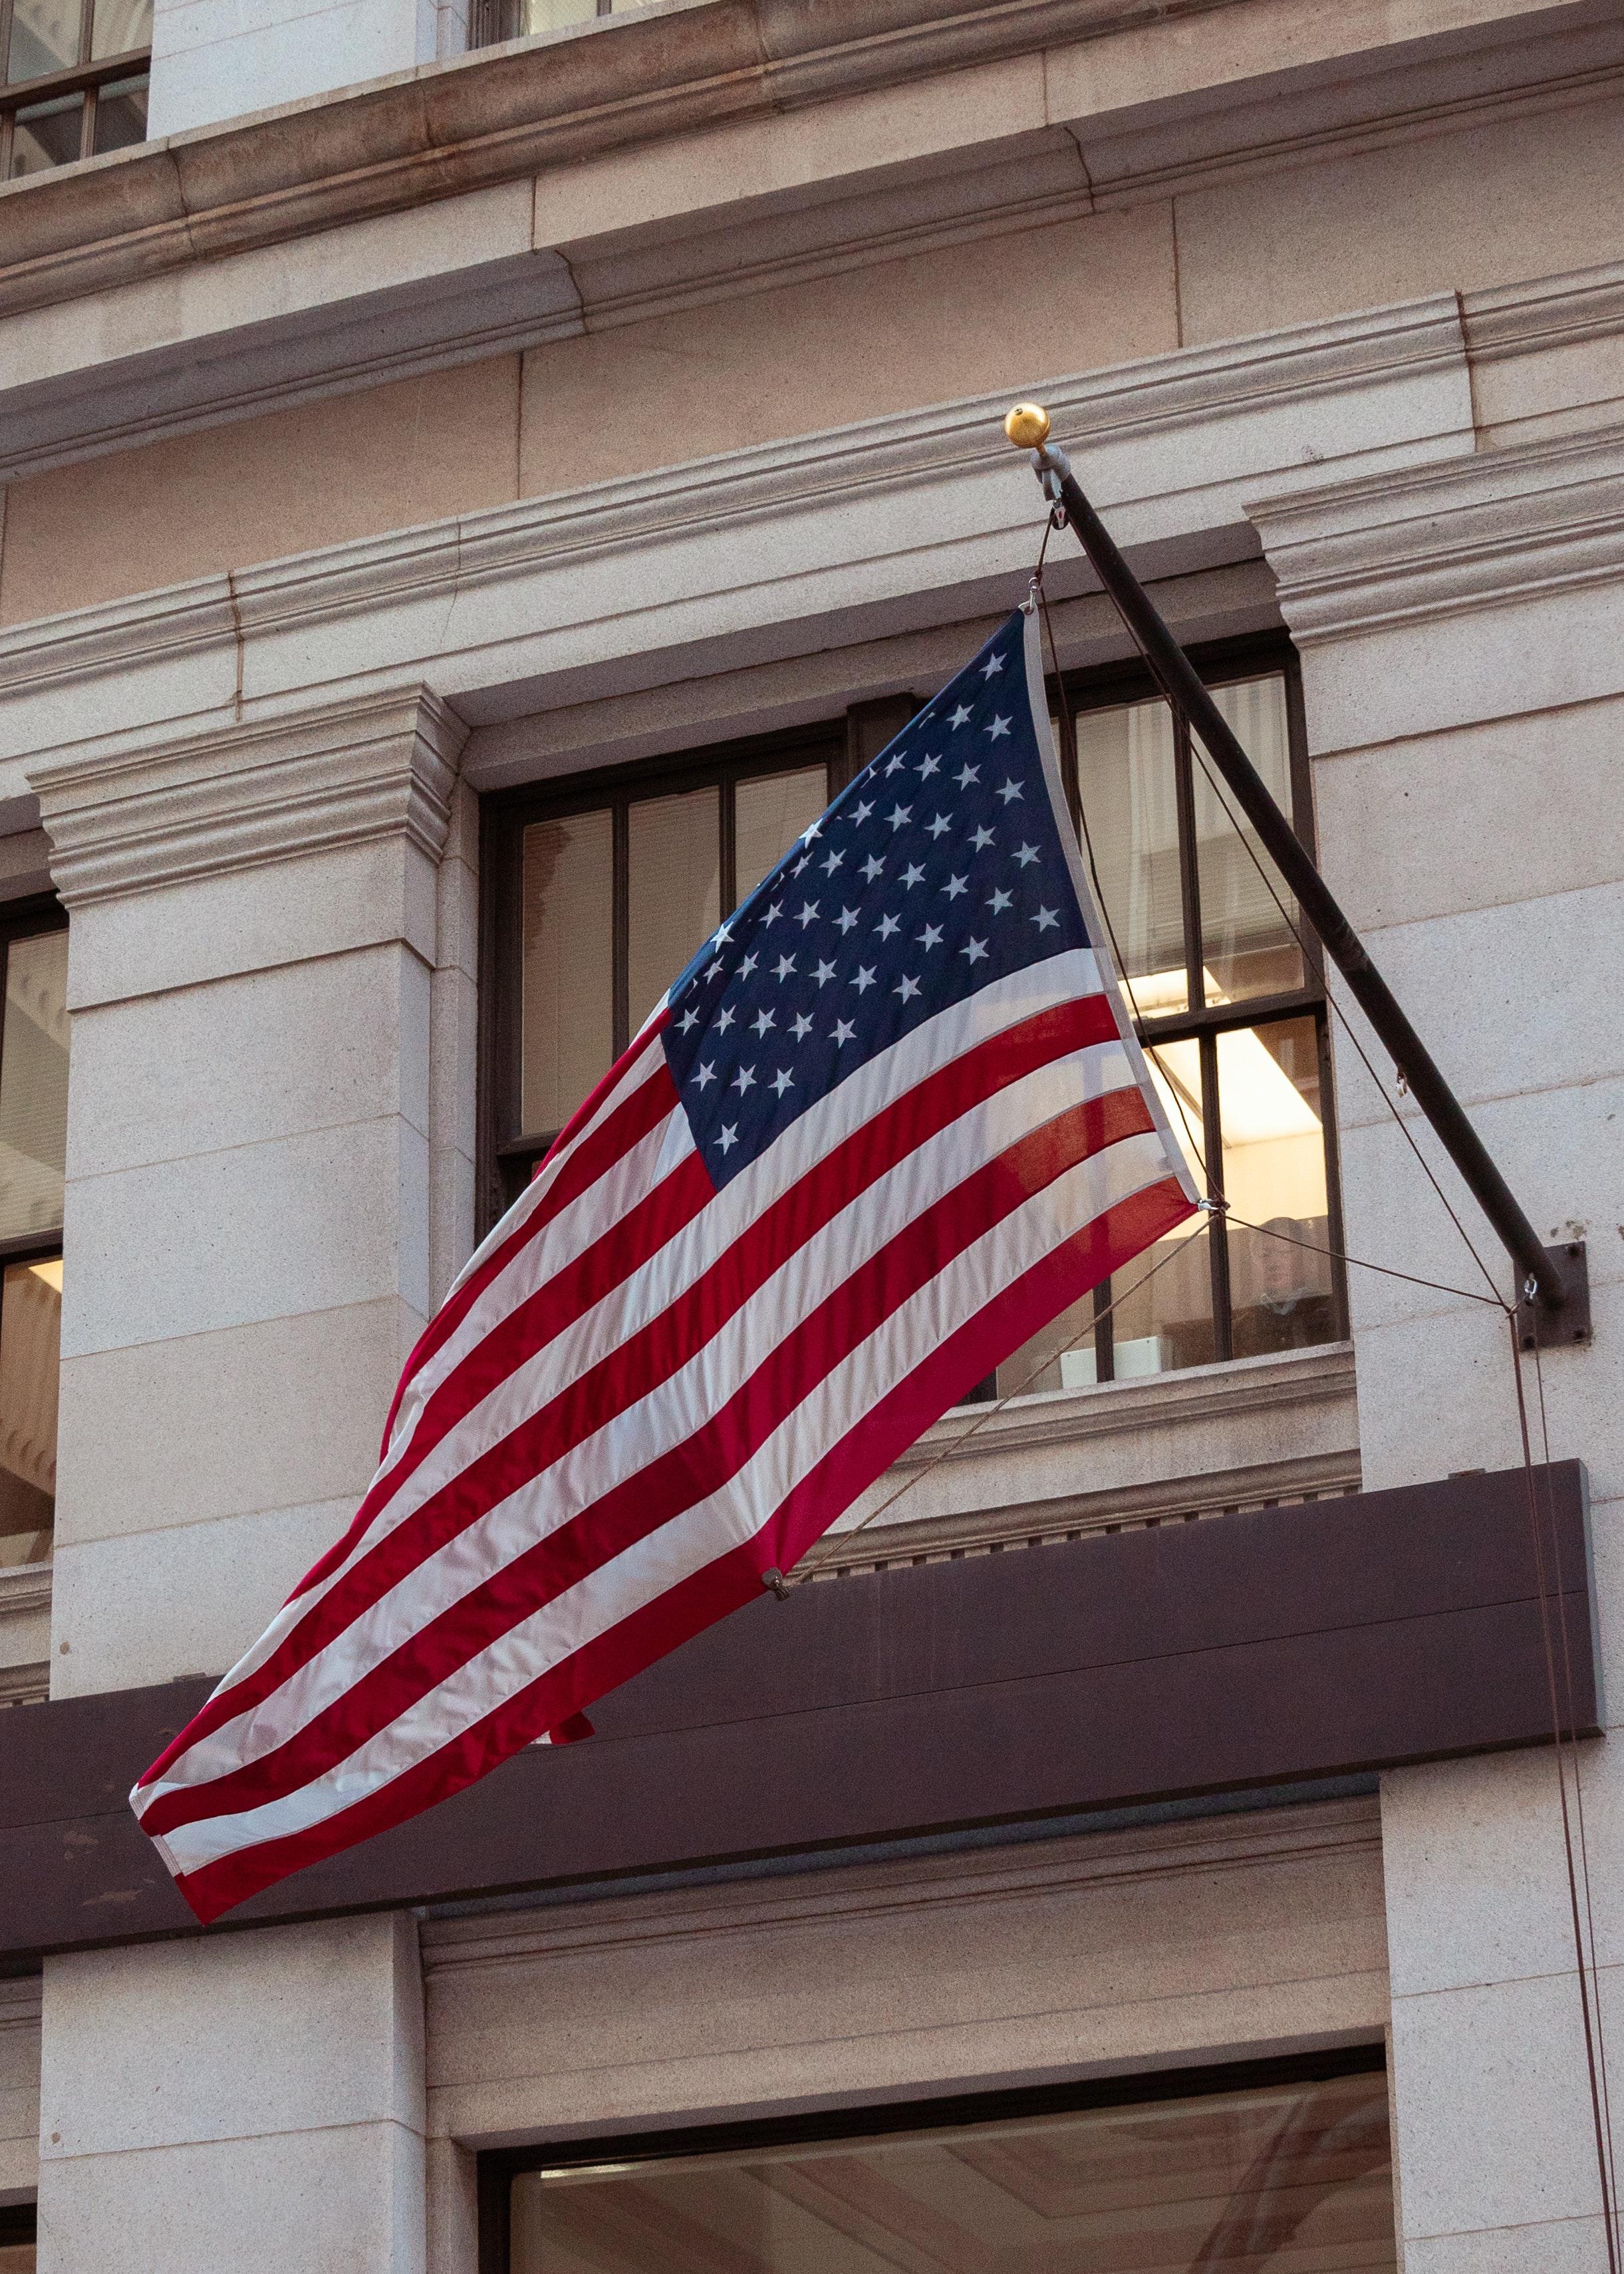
1553,1273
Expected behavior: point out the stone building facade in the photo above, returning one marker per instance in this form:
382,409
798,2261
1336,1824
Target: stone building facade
462,503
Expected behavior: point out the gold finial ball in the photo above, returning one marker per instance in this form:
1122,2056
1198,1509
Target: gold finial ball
1028,426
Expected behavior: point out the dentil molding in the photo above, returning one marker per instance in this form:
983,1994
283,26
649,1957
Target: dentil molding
139,813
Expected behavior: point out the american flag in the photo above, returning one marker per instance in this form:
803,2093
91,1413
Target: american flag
889,1122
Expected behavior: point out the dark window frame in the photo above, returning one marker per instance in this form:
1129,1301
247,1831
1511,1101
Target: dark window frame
499,2168
31,919
491,21
507,1152
1223,663
82,77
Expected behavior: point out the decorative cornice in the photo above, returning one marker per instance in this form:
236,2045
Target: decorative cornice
25,1686
499,116
20,1999
1101,412
523,291
1052,1868
1415,545
1085,1515
1200,1396
124,819
24,1588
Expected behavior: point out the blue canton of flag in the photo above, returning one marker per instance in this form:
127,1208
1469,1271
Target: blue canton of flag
941,869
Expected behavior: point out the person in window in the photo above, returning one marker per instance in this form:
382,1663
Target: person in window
1290,1311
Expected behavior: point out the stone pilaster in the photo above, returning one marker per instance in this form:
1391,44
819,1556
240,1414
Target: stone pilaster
1461,631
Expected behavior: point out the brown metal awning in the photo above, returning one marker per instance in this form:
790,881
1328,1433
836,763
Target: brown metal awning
1278,1647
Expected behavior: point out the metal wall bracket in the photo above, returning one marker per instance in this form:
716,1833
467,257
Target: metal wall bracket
1539,1327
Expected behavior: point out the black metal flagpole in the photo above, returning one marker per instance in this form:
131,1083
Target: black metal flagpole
1558,1275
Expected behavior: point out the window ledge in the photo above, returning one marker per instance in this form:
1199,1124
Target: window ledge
25,1634
1209,1441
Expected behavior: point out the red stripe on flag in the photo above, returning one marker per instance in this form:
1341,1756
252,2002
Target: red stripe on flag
678,1480
629,1373
733,1578
649,1104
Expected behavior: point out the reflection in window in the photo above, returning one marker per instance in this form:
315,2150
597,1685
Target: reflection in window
568,951
611,903
33,1110
1295,2177
33,1084
1205,946
491,20
673,890
1246,944
30,1342
92,106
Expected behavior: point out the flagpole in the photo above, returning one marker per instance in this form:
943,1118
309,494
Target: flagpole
1557,1276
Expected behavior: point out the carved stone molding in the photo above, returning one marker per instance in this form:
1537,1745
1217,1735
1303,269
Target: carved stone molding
132,814
490,288
1413,545
1385,384
1020,1872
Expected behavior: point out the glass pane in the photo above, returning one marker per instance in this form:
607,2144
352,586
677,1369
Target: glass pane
1247,946
566,1040
44,37
120,26
1294,2177
1127,782
554,15
121,115
1273,1175
770,813
30,1340
47,134
1169,1321
34,1084
674,881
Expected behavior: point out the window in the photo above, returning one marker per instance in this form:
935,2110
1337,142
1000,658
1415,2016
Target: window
1233,1018
604,888
73,77
1282,2164
518,19
34,1120
17,2230
600,897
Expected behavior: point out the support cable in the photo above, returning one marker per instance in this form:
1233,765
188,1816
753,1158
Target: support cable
1563,1737
808,1564
1584,1842
1341,1255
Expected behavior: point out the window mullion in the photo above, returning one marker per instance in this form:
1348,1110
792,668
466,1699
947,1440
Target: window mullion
621,925
728,853
1217,1242
1333,1174
1188,884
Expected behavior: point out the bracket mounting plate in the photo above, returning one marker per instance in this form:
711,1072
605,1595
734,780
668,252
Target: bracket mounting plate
1542,1329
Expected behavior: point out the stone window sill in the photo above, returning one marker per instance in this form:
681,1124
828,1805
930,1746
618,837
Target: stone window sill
25,1633
1059,1464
